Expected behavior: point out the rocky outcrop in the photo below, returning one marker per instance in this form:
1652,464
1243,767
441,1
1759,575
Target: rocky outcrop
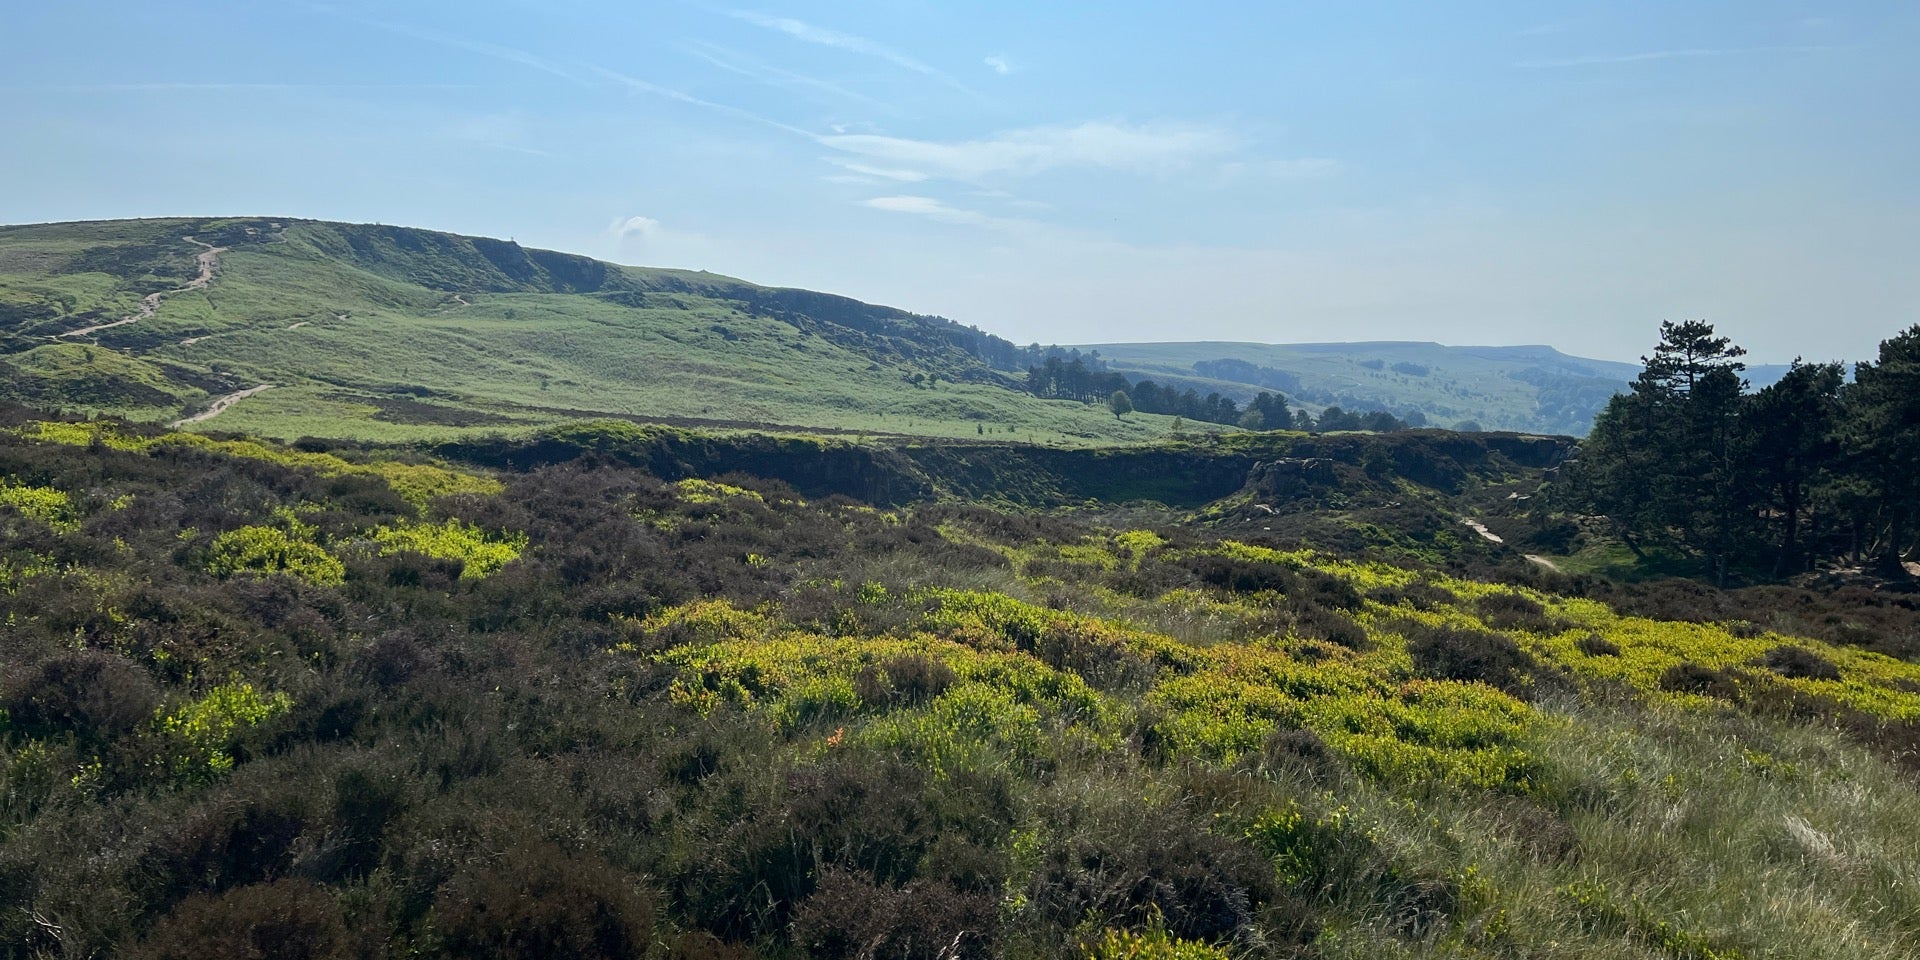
1290,477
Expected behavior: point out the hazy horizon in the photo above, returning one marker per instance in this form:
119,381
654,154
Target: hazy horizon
1559,174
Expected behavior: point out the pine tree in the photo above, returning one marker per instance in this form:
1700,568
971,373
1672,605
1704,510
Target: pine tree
1882,440
1790,435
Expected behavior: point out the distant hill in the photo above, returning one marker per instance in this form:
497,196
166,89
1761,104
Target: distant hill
387,332
1527,388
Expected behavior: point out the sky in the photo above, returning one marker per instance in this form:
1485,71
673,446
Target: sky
1468,172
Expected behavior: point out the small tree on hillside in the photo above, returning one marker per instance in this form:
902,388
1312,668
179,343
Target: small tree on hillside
1120,403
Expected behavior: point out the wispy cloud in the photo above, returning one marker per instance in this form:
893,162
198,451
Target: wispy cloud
637,85
999,64
944,212
809,33
1142,148
883,173
165,86
1686,53
582,74
733,61
505,54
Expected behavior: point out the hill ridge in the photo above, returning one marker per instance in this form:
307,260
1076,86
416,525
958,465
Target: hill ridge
351,321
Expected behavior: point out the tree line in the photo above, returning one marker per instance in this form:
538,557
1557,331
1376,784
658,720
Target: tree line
1816,468
1072,376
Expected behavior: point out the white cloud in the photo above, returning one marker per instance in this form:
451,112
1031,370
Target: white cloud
999,64
646,228
1146,148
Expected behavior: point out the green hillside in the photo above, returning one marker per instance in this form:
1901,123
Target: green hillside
395,333
1533,388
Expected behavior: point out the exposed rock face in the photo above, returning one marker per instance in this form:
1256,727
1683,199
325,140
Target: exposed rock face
1291,477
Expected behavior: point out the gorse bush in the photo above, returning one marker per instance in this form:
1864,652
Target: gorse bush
45,504
273,550
206,728
479,553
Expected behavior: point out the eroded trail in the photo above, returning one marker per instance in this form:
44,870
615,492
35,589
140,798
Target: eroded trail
1481,529
220,405
1491,537
208,261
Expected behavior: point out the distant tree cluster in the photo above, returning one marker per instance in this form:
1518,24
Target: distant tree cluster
1379,421
1808,469
1070,375
1073,376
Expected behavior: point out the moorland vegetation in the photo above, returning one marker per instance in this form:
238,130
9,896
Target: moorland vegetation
585,695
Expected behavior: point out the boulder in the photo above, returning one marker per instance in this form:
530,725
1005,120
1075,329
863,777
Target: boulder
1291,477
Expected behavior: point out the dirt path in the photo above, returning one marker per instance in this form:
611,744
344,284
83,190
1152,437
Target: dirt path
296,326
220,405
1481,529
208,260
1491,537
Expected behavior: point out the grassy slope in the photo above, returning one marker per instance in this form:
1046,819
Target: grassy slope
1465,383
380,334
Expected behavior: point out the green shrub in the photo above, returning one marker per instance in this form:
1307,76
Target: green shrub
267,550
45,504
478,552
206,729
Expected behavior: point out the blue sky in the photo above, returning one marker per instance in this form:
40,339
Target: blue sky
1563,173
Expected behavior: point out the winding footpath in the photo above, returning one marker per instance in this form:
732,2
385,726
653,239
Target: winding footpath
220,405
208,259
1491,537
